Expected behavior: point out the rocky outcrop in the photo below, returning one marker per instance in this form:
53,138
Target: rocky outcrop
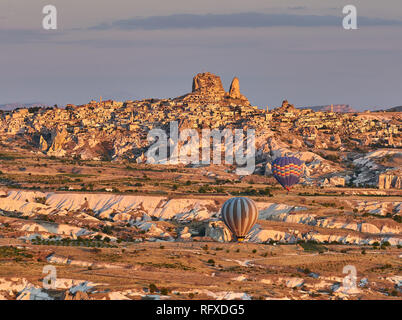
42,144
218,231
390,179
234,91
208,83
208,89
337,181
373,169
59,139
287,108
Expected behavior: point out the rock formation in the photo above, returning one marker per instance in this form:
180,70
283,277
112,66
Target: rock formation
42,144
208,83
234,91
390,180
208,89
59,139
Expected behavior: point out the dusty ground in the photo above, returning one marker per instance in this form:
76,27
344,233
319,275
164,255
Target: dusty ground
199,267
190,270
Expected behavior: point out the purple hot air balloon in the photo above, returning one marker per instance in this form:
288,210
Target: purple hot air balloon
287,171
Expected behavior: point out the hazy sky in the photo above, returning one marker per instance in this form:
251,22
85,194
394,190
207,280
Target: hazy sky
132,49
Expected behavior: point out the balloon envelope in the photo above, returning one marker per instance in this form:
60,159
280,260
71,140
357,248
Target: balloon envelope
239,214
287,171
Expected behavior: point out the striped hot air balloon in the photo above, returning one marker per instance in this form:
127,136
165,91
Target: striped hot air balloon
287,171
239,214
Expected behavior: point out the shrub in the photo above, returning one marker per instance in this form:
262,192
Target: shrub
313,247
386,244
397,218
41,200
152,288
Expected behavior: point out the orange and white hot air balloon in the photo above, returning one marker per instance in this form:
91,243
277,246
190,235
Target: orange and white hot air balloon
239,214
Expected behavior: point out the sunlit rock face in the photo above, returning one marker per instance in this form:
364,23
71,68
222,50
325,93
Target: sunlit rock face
208,89
208,83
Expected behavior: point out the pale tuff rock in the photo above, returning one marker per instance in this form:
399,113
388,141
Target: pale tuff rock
378,208
218,231
240,278
185,233
34,294
369,228
330,223
74,285
265,235
140,211
151,229
59,139
265,210
42,144
234,91
21,289
208,83
337,181
390,180
294,282
57,259
207,89
287,108
14,285
372,165
117,296
229,295
290,282
61,229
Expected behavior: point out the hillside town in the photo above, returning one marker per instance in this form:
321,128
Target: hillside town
117,131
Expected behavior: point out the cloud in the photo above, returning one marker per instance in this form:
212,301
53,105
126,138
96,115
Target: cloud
237,20
27,35
183,22
297,8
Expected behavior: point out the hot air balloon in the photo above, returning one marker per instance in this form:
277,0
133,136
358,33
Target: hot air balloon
287,171
239,214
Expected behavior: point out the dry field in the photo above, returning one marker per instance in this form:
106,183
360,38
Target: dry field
169,266
205,270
